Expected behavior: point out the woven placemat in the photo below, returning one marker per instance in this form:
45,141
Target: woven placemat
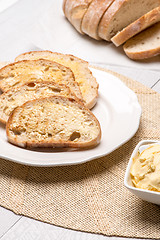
90,197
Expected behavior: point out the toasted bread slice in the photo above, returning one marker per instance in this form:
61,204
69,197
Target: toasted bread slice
75,11
33,90
121,13
137,26
17,73
53,122
92,17
144,45
87,83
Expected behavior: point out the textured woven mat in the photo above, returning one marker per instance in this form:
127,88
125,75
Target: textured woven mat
90,197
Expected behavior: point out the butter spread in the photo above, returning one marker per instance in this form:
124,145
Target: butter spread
145,169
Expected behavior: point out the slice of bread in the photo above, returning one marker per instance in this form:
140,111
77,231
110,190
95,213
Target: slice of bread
121,13
144,45
137,26
74,12
53,122
87,83
30,91
92,17
17,73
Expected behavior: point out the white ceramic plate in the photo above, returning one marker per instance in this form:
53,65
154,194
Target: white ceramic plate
118,112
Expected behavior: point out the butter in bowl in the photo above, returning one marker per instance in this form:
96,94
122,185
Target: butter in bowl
142,175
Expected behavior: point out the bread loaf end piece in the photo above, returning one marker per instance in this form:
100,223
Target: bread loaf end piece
75,11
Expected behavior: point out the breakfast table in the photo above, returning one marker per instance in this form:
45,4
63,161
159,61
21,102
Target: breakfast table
37,25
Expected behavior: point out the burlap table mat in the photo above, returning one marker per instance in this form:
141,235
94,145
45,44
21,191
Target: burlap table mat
90,197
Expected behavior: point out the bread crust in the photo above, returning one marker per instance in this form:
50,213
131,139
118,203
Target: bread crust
3,64
107,16
143,54
89,102
139,25
73,84
75,10
21,57
93,16
60,143
63,5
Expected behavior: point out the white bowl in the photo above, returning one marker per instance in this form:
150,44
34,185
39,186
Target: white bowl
149,196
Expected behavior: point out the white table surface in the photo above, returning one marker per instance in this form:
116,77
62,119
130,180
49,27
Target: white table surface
13,24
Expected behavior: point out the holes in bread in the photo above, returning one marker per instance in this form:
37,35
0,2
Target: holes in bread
72,100
5,108
15,84
55,89
42,109
64,72
72,58
10,95
75,135
47,68
11,75
41,60
18,132
49,135
55,69
31,84
1,77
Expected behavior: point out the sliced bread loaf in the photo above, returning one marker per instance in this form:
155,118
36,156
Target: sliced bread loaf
53,122
17,73
137,26
121,13
144,45
33,90
75,10
92,17
87,83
